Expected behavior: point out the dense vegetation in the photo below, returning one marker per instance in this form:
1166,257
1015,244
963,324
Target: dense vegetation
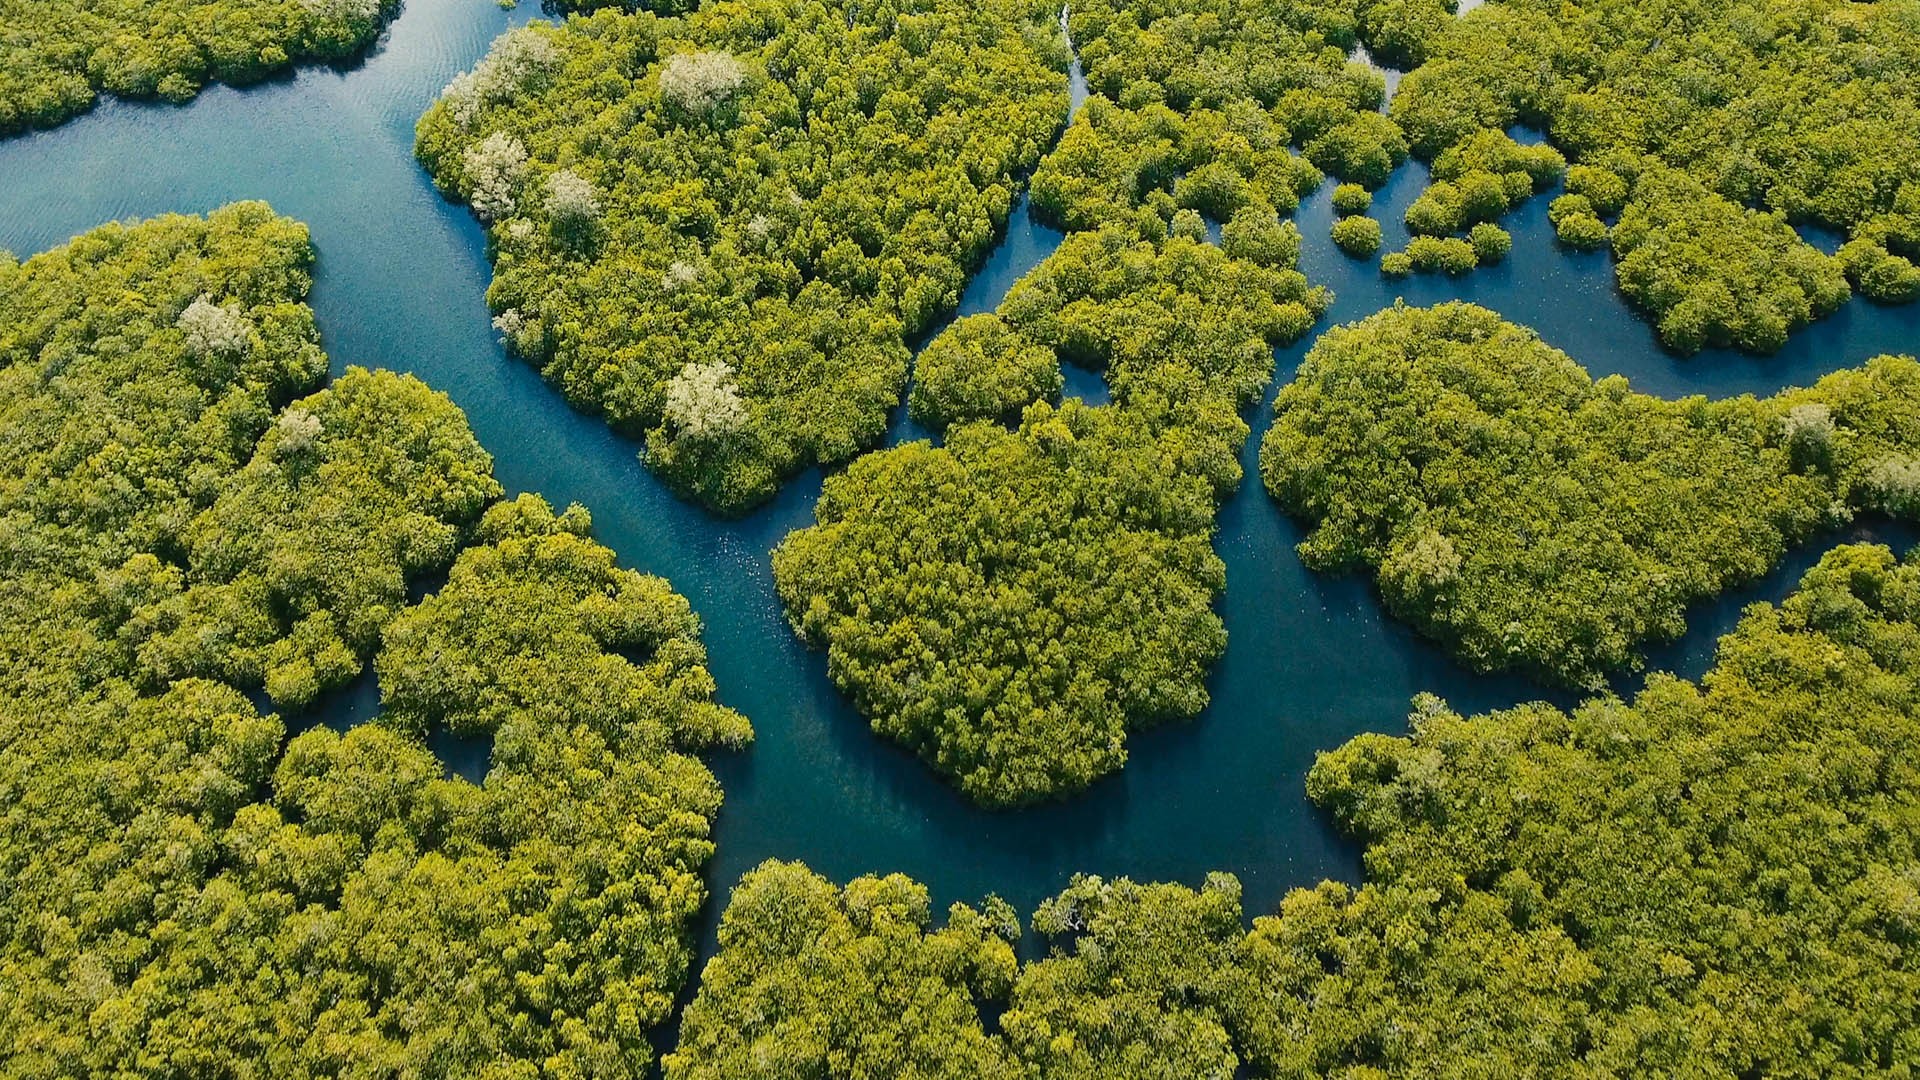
1012,603
189,893
721,229
817,981
1529,517
1719,122
1719,879
56,55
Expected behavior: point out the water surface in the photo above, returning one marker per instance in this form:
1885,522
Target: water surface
1312,660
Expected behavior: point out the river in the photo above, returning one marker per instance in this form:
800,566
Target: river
1312,660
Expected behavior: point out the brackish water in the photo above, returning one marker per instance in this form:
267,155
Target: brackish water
1312,660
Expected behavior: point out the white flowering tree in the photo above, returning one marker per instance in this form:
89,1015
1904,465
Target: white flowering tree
700,82
704,403
495,168
573,204
216,332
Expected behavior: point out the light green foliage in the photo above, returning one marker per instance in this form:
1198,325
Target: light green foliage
1351,199
1476,182
1396,264
1434,254
1694,119
1397,31
1888,278
290,575
1577,224
816,981
1011,604
1528,517
1357,236
1712,273
1491,243
1715,880
790,191
57,54
1142,982
1605,191
981,369
190,894
1201,103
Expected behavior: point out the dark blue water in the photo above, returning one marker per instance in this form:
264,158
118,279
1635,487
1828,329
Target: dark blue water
1312,660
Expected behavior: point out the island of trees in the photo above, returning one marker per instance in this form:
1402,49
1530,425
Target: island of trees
1719,878
56,56
191,524
721,229
1529,517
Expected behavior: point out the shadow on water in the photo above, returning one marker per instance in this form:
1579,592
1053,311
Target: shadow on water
401,283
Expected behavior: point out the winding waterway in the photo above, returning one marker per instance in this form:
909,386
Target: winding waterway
1312,660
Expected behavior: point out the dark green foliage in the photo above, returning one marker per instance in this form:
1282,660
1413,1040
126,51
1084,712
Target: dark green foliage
981,369
1695,119
190,894
816,981
1011,604
57,54
1529,517
788,190
1357,236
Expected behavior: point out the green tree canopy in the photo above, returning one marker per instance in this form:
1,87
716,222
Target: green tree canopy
1722,121
56,55
788,189
1529,517
189,893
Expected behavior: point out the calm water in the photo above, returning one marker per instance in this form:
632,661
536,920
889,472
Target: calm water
1312,660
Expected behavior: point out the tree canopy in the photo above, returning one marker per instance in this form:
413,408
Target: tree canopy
1722,122
812,980
191,893
790,190
1012,603
1529,517
1047,589
57,55
1719,878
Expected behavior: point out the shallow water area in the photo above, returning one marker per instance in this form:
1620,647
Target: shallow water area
1312,660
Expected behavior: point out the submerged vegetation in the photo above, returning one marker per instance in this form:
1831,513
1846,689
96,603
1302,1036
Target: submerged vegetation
1714,125
1529,517
57,55
745,211
1716,878
191,892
